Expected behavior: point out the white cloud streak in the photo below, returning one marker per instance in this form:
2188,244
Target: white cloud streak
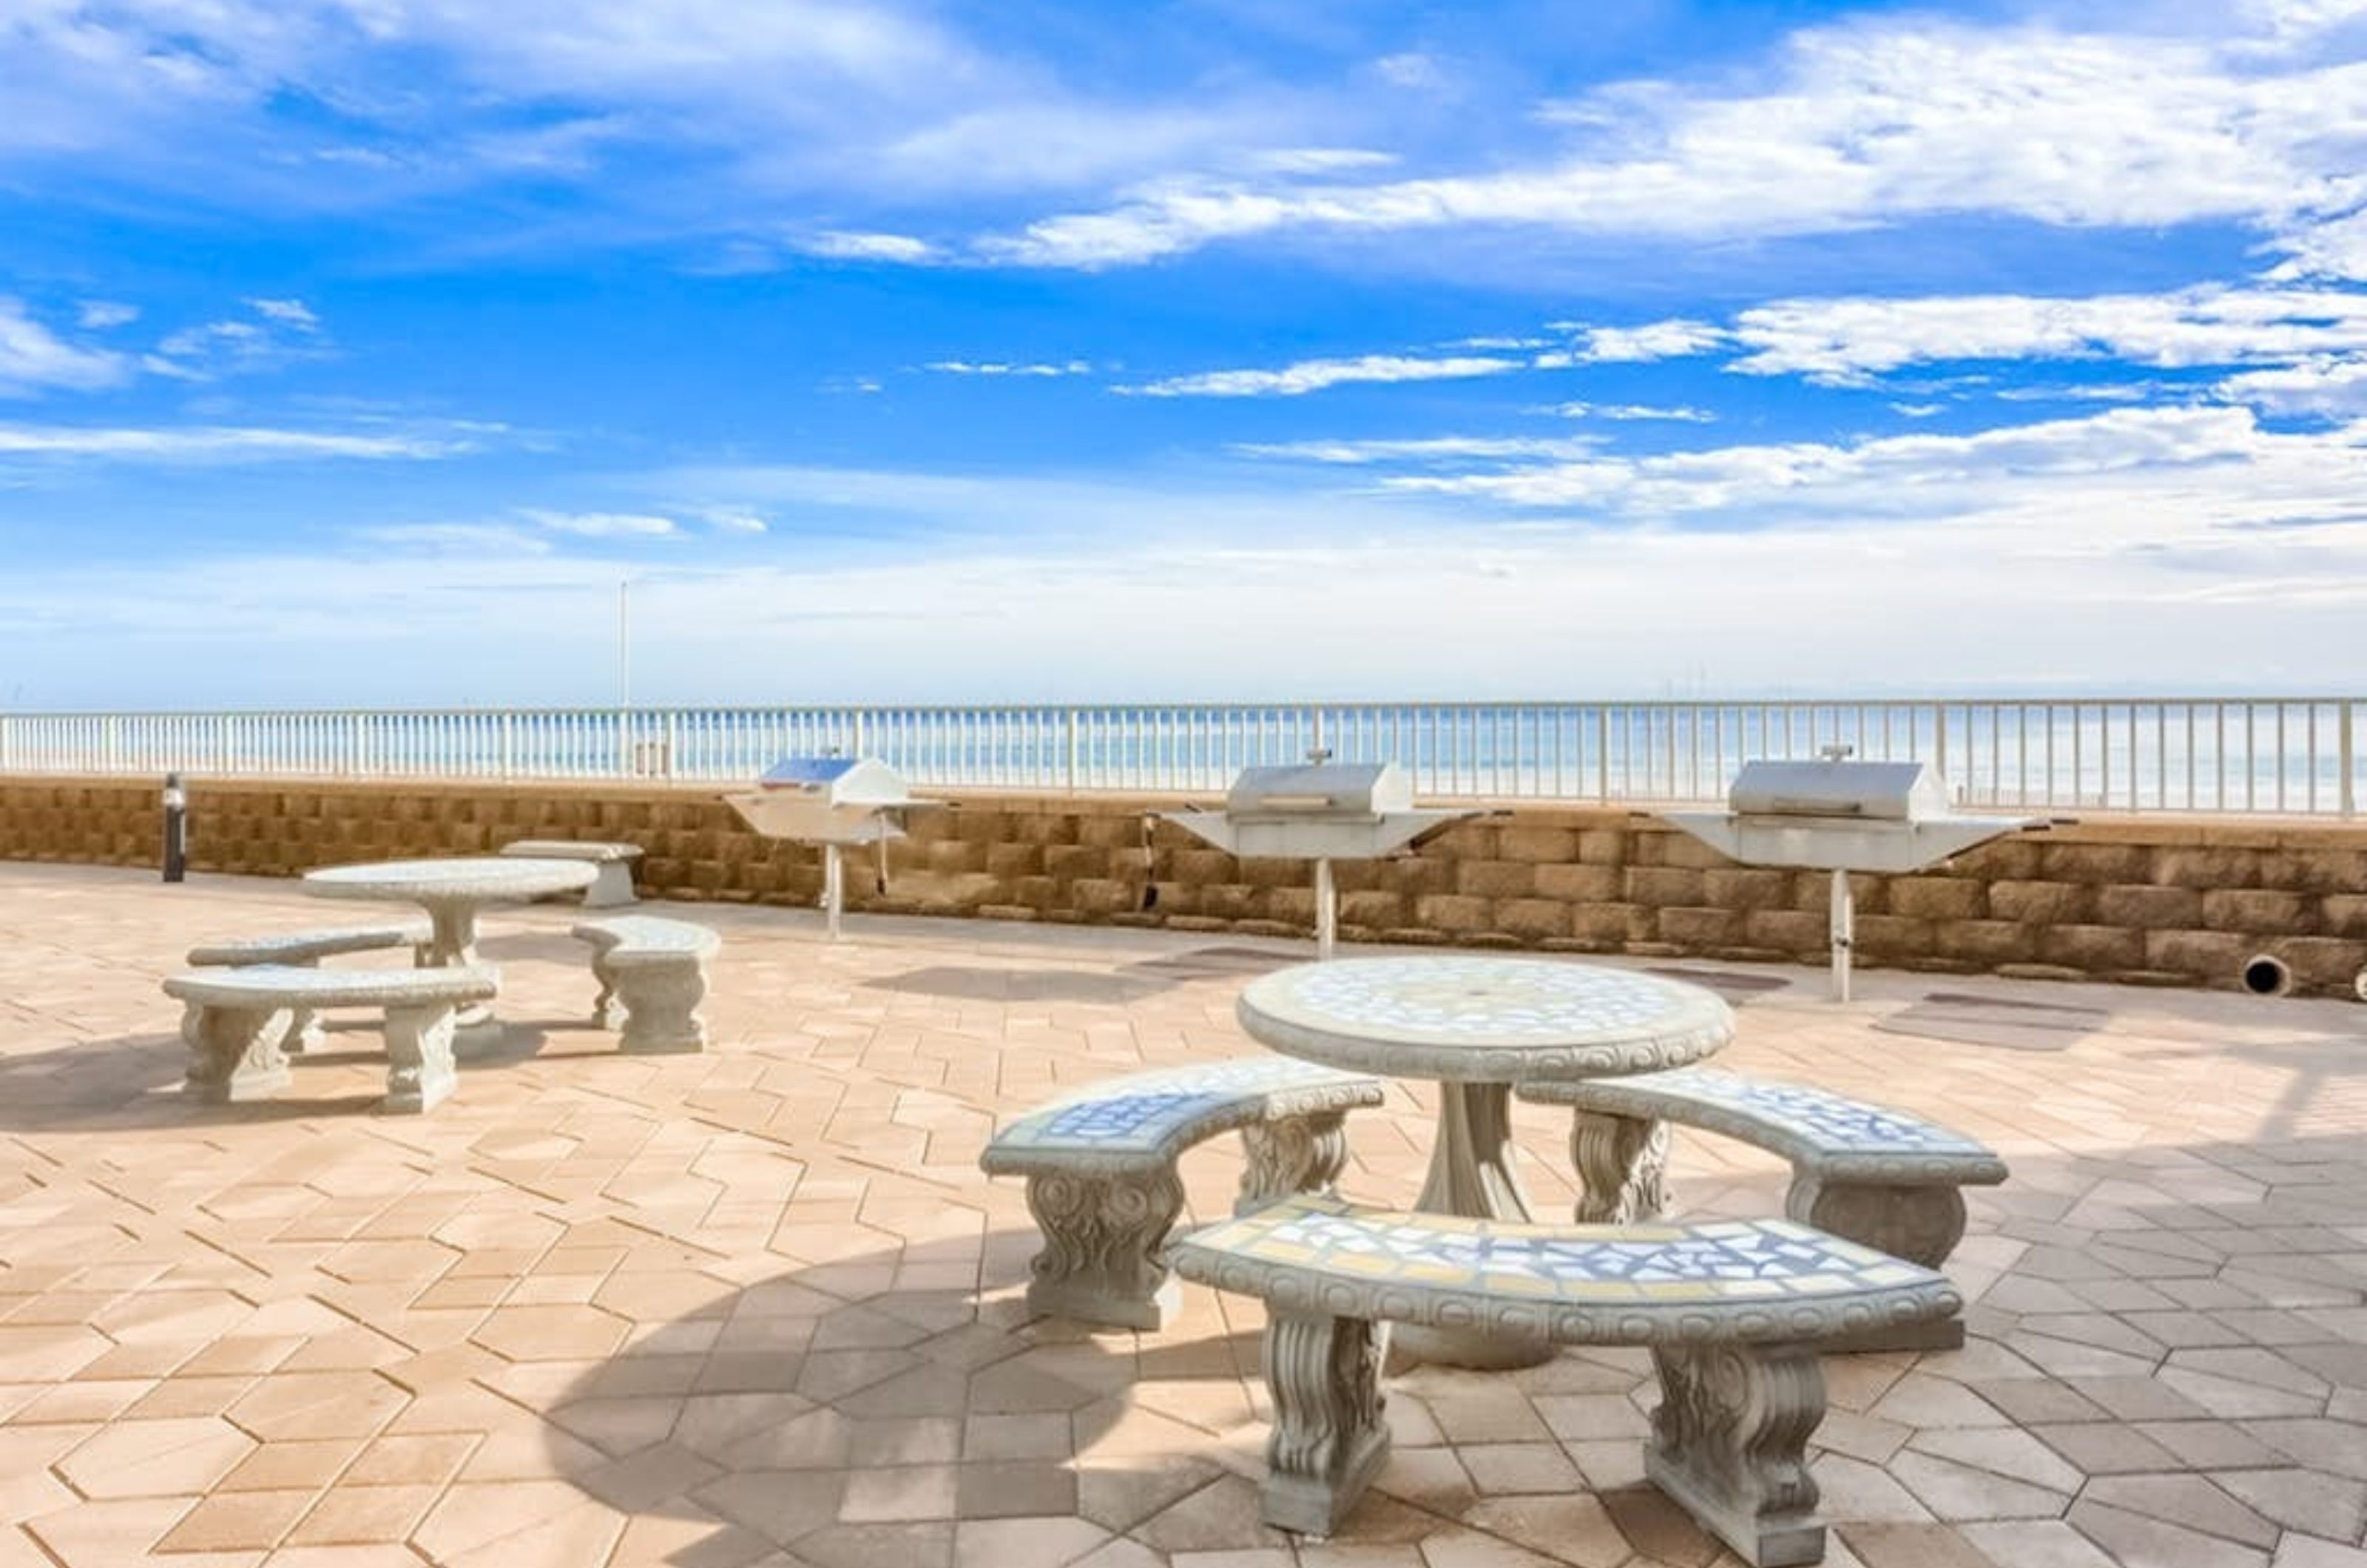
223,443
604,525
1315,374
35,359
1855,125
1427,450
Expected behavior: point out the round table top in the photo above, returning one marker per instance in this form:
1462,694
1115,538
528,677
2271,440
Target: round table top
1473,1019
475,880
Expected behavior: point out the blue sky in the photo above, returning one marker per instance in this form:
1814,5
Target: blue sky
354,351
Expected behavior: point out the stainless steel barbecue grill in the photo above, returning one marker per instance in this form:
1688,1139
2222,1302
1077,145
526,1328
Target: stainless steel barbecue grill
1319,810
1840,816
833,802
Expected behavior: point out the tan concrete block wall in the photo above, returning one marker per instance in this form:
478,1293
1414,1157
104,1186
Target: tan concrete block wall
2166,900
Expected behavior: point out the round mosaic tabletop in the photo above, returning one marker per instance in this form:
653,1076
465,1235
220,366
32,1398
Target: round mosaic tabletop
478,880
1471,1020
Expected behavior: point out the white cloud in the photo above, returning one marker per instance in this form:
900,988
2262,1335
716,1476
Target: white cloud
2000,574
732,520
1436,449
1315,374
98,315
2336,388
1675,339
35,359
839,245
1847,340
1851,125
278,333
1318,160
1683,414
1899,474
288,313
604,525
1039,369
226,444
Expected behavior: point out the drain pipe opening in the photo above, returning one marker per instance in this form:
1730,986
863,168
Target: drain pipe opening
2267,977
2359,986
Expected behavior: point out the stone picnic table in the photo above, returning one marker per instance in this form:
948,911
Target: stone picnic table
452,891
1479,1026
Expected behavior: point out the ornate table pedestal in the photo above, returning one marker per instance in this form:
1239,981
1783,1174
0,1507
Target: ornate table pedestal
1478,1026
452,891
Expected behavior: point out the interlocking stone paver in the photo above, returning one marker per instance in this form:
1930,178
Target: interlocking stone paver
757,1306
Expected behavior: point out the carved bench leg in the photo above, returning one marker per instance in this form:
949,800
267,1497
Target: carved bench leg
662,1007
304,1029
236,1054
1922,1224
1299,1154
1329,1435
1101,1260
419,1071
1622,1164
608,1007
1729,1445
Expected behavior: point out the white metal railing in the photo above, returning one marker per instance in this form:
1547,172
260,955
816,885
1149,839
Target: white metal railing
2279,755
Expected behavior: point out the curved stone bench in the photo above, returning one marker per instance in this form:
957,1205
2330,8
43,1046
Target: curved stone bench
1734,1313
652,976
1100,1170
303,949
1882,1177
612,884
244,1014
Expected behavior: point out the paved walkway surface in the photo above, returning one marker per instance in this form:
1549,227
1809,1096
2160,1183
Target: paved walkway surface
759,1307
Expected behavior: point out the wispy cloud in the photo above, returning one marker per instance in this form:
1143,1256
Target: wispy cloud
1040,368
1681,413
229,443
35,359
1897,473
604,525
848,246
1855,124
99,315
1427,449
278,333
1851,339
1315,374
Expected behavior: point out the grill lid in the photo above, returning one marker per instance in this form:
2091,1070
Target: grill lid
1878,792
1339,790
838,781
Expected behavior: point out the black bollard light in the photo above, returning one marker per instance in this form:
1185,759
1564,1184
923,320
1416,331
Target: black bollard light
176,829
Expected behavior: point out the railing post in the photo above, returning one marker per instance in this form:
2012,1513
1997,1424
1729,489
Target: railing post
666,761
2346,759
854,733
509,746
1073,756
1602,753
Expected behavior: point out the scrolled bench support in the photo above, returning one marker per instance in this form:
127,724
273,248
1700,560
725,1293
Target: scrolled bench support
1296,1154
419,1071
1729,1445
1622,1164
662,999
1922,1224
1329,1438
1102,1235
235,1056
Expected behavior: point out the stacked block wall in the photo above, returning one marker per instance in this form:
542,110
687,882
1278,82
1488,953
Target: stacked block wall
2177,901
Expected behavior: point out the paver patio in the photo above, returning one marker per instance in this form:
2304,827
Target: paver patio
759,1307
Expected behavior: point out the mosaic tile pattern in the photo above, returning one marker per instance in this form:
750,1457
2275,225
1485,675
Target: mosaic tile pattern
1717,1262
1830,1133
1152,1114
1486,1019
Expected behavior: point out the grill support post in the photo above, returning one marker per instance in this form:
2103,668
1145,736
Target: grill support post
1845,933
833,887
1326,910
